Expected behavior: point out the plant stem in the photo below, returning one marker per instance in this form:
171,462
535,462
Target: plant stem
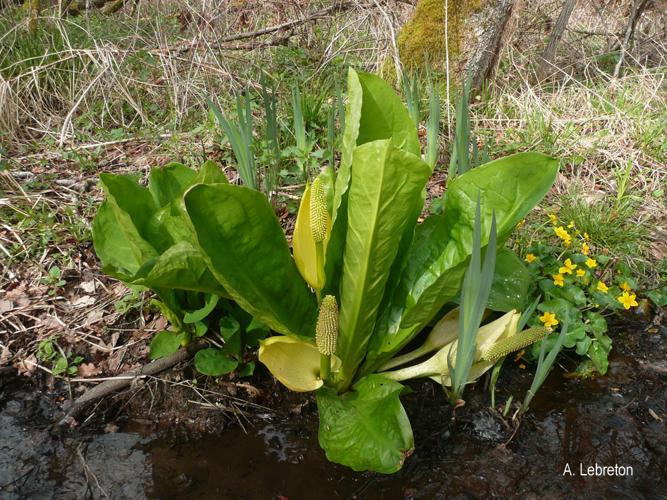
407,357
319,257
325,366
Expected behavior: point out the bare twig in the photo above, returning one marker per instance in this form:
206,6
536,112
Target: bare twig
638,6
337,7
123,381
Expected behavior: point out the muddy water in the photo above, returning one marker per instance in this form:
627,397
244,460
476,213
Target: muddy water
608,421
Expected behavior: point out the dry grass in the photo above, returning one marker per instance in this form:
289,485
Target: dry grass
160,63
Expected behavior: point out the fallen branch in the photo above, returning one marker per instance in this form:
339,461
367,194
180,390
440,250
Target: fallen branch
223,43
121,382
337,7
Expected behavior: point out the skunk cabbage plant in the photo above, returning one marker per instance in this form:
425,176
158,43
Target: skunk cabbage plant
363,277
142,237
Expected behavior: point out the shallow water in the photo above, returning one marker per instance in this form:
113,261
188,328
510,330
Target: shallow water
605,421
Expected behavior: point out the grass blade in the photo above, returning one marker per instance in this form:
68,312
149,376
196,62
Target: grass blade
433,125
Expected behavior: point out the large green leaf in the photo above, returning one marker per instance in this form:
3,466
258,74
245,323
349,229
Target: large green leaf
245,248
142,244
168,183
138,203
117,242
366,428
180,267
210,173
374,112
510,283
442,245
385,186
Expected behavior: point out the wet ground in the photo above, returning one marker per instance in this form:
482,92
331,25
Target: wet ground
614,420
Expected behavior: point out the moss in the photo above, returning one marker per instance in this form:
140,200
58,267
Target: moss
421,42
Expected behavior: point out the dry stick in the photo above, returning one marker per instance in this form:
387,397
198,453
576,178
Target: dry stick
123,381
289,24
638,6
556,35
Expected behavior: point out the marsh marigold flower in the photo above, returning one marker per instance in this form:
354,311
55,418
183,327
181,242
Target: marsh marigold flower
585,249
530,258
553,219
591,263
625,287
586,237
558,279
581,272
562,233
571,224
549,319
568,267
602,287
628,300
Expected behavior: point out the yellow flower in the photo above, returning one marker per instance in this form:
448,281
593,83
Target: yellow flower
571,224
585,249
628,300
625,287
568,267
519,355
581,272
522,366
591,263
549,319
530,258
558,279
586,237
567,242
602,287
553,219
562,233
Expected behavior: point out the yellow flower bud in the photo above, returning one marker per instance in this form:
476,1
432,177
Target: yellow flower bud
318,211
326,331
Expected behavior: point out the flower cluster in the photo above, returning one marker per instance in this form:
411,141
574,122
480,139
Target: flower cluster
577,282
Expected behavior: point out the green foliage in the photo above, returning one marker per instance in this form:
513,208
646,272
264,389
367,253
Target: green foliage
256,267
389,275
143,238
611,222
474,296
579,284
54,279
412,97
165,343
544,365
442,245
239,135
511,283
366,428
272,138
61,363
433,125
214,362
